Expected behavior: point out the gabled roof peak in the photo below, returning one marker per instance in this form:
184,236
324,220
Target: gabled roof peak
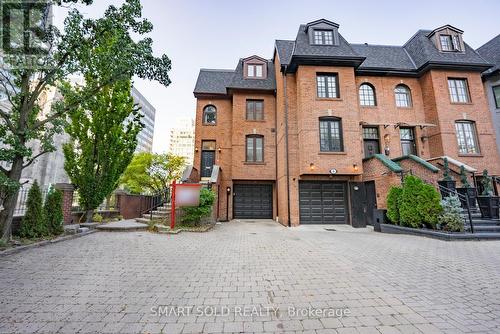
446,26
254,57
323,21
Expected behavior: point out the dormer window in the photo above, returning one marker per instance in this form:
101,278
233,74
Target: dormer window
323,37
446,43
255,71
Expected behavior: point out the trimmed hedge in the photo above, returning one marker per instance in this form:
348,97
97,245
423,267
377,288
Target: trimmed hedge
393,199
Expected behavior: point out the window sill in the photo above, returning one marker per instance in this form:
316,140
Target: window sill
461,103
332,153
208,124
256,120
472,155
329,99
254,163
368,107
404,107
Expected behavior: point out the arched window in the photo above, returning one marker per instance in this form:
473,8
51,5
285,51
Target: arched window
403,96
367,95
254,148
209,115
330,134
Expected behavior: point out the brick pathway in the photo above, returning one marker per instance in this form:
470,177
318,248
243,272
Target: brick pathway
114,282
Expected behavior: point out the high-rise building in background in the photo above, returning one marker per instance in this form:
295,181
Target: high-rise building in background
145,137
182,139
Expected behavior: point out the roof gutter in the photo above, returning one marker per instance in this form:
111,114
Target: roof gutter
286,147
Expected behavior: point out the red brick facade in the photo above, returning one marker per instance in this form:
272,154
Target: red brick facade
297,109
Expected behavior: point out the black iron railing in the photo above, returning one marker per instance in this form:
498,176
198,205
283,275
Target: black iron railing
463,199
153,202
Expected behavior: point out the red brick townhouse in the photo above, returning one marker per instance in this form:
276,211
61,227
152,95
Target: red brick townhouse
318,133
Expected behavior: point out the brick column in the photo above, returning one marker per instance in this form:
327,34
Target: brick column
67,200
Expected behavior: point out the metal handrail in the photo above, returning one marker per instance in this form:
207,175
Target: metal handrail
157,200
462,197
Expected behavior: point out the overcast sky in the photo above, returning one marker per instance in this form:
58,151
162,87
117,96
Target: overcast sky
216,33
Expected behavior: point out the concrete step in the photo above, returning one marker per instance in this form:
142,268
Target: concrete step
155,216
485,222
482,228
142,220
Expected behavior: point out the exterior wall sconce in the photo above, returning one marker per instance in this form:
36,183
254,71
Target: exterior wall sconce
196,149
355,167
312,167
220,150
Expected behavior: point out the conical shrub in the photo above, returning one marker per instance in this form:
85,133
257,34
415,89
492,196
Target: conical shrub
53,211
33,223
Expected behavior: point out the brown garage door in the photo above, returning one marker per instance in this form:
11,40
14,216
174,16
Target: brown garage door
323,202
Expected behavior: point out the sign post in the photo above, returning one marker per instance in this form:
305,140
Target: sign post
185,194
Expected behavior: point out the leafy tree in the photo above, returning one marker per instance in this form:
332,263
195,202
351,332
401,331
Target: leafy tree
102,143
67,52
150,172
393,202
33,224
194,214
53,211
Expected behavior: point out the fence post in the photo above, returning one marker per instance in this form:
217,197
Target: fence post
67,190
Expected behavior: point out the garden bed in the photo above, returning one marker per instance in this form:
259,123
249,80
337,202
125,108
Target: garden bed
441,235
160,228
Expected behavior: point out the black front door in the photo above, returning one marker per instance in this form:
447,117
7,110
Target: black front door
371,202
323,202
253,201
207,163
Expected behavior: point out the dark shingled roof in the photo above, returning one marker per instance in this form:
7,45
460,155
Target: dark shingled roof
285,50
491,52
384,57
422,51
213,81
240,82
304,48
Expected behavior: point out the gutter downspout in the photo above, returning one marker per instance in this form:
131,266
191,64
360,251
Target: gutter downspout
286,147
276,153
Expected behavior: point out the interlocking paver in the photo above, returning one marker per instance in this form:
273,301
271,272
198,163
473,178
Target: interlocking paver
115,282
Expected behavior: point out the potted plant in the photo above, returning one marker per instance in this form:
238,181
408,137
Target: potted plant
448,185
488,203
467,192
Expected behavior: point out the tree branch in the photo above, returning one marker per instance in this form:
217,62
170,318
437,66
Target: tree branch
30,161
6,117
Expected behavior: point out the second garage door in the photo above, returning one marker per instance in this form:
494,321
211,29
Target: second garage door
253,201
323,202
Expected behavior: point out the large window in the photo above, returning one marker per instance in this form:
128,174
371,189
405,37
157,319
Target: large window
327,85
403,96
467,137
255,148
255,110
255,70
407,138
330,134
371,141
367,95
323,37
209,115
496,95
459,92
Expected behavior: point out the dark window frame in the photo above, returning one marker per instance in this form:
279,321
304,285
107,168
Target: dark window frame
475,137
414,147
254,148
365,139
408,93
331,148
254,102
324,76
205,112
467,91
373,92
449,39
323,36
495,96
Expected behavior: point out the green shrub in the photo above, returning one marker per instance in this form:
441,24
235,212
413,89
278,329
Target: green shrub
446,171
487,184
194,215
419,204
463,178
53,212
450,218
33,224
97,218
393,200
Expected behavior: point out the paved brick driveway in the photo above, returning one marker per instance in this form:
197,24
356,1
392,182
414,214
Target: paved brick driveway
109,282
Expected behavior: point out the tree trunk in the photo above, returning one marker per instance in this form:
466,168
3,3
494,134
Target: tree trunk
9,204
89,214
